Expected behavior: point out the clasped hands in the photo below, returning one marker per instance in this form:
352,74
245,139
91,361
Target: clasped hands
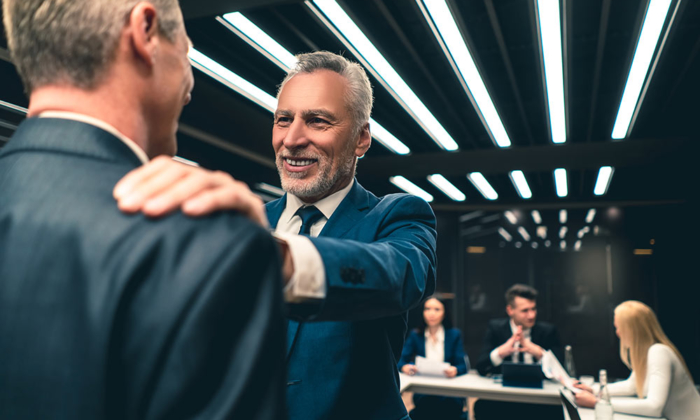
163,185
409,369
518,342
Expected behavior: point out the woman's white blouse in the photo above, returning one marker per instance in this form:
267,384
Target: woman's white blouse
669,391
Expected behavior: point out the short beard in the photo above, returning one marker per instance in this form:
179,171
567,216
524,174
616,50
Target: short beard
324,181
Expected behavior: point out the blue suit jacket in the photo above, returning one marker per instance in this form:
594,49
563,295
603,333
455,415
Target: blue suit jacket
105,315
379,259
454,350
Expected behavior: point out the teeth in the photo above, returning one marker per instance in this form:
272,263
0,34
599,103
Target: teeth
299,162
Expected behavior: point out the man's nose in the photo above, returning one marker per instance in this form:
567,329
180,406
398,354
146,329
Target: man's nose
296,135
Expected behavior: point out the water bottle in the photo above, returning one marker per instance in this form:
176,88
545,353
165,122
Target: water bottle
603,408
569,361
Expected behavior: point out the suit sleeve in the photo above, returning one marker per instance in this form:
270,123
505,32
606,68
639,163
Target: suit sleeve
385,277
484,364
410,350
202,335
461,361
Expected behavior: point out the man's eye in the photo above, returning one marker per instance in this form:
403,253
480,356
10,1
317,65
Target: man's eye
283,120
317,121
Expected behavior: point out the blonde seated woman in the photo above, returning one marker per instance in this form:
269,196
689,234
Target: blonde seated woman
660,379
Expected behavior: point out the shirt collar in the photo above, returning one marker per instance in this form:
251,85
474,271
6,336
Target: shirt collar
326,205
138,151
439,334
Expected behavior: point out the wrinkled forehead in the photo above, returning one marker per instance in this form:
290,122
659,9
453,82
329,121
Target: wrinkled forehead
322,89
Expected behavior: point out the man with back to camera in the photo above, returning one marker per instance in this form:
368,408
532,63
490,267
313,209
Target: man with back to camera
359,263
519,339
105,315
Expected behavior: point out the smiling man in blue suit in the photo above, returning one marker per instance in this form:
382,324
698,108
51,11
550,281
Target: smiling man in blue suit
354,264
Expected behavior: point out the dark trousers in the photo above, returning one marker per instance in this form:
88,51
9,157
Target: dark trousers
499,410
432,407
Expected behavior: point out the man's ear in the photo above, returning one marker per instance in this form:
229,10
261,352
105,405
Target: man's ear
509,310
143,24
364,142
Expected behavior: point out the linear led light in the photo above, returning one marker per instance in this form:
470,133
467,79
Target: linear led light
446,187
483,185
563,216
510,216
230,79
562,244
13,107
646,45
590,215
550,36
605,174
542,232
279,192
523,233
441,21
562,232
263,43
335,18
536,216
584,230
411,188
577,245
518,179
505,234
560,182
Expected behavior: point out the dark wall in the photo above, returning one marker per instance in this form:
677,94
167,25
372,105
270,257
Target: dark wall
578,289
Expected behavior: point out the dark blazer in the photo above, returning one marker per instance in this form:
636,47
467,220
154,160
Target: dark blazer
379,259
105,315
543,334
454,350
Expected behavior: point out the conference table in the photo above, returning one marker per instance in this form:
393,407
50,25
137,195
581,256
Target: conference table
472,385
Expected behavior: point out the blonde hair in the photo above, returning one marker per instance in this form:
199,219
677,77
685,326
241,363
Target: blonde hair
639,329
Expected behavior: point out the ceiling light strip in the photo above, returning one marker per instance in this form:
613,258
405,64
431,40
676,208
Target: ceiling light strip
504,233
481,184
255,37
442,22
518,179
590,215
338,22
536,217
602,184
13,107
411,188
446,187
654,19
561,182
549,22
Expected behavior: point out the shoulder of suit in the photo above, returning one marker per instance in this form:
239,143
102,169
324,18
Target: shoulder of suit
499,323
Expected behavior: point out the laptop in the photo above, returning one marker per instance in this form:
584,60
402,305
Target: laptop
523,375
569,406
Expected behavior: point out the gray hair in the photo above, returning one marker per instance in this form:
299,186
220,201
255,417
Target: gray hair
359,97
73,41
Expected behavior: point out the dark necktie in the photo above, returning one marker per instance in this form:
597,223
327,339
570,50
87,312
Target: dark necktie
309,215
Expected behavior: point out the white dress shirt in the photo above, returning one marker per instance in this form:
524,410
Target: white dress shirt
527,357
309,278
435,350
668,390
138,151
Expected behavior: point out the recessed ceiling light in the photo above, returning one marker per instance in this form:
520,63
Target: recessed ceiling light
590,215
411,188
504,233
338,22
536,216
13,107
482,185
550,37
602,184
447,187
518,179
563,216
562,232
441,21
562,244
577,246
561,182
510,216
523,233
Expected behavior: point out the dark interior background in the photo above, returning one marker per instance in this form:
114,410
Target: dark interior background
653,194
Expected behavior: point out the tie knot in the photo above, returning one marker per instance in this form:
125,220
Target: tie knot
309,215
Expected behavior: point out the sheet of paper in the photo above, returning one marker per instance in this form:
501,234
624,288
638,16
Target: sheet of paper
430,367
552,369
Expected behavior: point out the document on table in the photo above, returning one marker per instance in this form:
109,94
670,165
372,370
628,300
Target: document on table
552,369
430,367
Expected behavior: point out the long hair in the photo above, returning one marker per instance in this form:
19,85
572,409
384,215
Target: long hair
640,329
446,319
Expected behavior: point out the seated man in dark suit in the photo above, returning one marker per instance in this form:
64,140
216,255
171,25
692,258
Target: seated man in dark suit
518,338
105,315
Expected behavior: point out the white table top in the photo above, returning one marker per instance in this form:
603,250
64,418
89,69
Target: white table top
589,414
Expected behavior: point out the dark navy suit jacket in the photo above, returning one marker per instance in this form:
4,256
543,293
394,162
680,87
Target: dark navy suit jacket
454,350
105,315
379,259
543,334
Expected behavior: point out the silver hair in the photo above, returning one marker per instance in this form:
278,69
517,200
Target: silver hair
359,97
73,41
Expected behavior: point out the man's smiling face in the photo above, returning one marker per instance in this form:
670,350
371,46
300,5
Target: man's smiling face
314,136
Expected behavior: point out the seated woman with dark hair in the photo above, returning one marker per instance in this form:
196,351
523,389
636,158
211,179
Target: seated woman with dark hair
435,340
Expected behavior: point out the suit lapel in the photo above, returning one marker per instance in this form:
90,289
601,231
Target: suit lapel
348,213
274,210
